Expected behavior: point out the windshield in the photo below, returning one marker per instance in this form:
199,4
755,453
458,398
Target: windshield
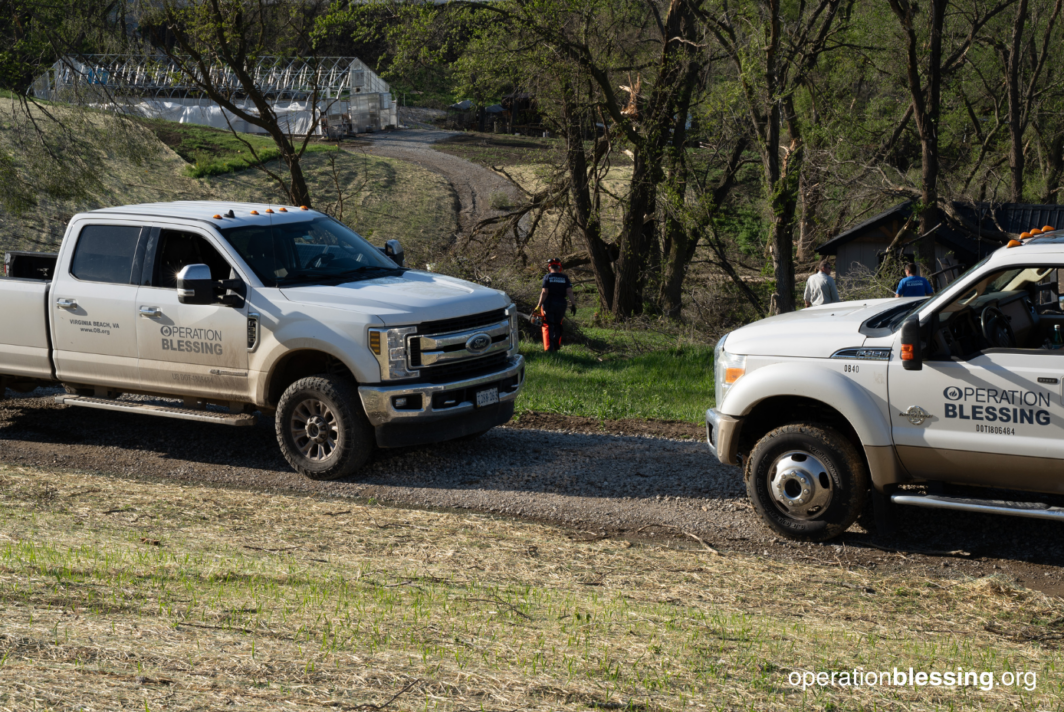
933,301
321,250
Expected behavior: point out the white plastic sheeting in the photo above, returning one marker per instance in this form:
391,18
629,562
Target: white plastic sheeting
351,97
366,113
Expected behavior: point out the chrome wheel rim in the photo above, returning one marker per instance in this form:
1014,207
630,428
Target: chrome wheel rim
800,486
314,429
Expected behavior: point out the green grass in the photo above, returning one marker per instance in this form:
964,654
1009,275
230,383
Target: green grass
620,374
213,152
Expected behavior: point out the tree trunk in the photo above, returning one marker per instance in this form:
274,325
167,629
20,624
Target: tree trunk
1012,85
929,216
631,262
587,219
1054,159
809,195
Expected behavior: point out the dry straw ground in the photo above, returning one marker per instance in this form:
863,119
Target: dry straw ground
128,595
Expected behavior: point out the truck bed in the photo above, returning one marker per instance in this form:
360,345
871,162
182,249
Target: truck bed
24,341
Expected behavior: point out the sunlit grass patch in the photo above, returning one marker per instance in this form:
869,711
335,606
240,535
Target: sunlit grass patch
613,374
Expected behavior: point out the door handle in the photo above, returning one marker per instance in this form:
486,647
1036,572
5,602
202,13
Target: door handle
150,311
67,303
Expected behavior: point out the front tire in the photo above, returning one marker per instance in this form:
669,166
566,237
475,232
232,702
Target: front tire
321,428
807,481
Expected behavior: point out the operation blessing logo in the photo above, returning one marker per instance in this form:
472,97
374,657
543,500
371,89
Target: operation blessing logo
193,341
1003,411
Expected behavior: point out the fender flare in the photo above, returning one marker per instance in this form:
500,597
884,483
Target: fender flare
816,383
281,350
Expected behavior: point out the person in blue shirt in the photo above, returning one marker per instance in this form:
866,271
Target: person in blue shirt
913,285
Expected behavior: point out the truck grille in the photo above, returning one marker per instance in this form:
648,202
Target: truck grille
462,347
465,369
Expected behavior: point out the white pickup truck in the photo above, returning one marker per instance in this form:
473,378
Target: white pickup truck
257,307
928,402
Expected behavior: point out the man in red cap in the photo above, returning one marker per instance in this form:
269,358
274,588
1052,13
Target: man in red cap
556,289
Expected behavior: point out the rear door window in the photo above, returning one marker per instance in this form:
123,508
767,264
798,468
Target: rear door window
177,249
105,253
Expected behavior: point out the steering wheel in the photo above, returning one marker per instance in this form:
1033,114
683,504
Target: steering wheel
320,260
996,329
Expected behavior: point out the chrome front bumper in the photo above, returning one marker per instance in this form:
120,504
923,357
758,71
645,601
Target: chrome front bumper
712,428
722,434
379,401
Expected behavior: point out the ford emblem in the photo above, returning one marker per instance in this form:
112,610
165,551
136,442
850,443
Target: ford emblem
478,343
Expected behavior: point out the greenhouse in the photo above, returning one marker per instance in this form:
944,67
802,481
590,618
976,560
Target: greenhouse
343,92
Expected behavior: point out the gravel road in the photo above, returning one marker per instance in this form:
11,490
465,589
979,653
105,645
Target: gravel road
473,185
592,483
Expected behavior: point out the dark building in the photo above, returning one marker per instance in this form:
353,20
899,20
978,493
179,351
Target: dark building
865,245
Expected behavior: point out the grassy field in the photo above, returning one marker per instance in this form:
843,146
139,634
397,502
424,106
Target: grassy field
212,152
382,198
148,596
618,374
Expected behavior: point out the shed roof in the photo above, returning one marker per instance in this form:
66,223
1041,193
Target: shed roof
1011,217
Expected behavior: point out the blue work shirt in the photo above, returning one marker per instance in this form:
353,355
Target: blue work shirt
914,287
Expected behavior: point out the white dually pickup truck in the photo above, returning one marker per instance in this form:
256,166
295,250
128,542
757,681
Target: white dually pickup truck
260,307
930,402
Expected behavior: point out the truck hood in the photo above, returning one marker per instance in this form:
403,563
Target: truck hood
401,300
816,332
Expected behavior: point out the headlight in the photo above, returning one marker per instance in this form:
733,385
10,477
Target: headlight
728,368
389,346
511,313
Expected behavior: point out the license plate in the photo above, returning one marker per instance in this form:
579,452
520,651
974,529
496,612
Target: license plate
489,396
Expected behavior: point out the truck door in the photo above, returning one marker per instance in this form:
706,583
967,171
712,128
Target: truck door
189,349
93,305
993,407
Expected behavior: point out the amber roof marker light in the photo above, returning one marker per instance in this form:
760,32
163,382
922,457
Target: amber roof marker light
254,212
283,210
303,207
269,210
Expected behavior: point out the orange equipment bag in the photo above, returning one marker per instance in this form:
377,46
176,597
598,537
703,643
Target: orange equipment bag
539,319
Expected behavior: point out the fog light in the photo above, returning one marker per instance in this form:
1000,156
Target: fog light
400,402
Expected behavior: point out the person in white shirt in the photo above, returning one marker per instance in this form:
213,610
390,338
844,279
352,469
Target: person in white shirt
820,288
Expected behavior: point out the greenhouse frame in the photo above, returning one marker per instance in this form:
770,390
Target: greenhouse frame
350,97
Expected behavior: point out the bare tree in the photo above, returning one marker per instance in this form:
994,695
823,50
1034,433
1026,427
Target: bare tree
217,44
1023,58
772,52
927,64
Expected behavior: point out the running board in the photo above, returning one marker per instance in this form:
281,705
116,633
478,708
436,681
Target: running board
204,416
1031,510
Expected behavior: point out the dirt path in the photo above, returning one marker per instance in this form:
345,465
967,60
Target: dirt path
473,185
572,474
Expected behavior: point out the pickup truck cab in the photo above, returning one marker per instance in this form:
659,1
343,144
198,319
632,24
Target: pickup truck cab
900,398
250,307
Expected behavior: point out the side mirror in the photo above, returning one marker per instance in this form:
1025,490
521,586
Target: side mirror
194,285
393,249
912,352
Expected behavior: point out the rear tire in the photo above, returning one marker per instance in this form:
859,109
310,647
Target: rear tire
321,428
807,481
